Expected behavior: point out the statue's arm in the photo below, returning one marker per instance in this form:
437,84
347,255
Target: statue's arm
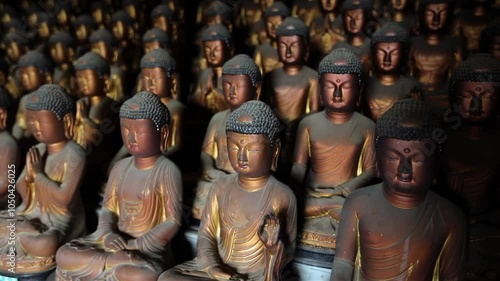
176,132
22,189
453,255
291,229
347,243
257,57
207,249
301,156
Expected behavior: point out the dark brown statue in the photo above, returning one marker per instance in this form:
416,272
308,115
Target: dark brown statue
142,205
306,10
16,45
8,157
51,211
242,82
490,39
248,228
83,27
62,51
469,24
334,151
398,229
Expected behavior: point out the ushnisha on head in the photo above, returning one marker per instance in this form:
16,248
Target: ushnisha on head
243,65
408,120
103,35
36,59
341,61
219,12
156,35
159,58
254,118
217,32
293,26
94,61
51,97
391,32
146,105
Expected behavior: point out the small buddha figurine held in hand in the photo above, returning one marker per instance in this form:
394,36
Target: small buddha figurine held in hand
337,145
434,54
389,50
293,88
266,55
399,229
242,82
217,49
470,159
35,70
248,228
142,205
62,52
51,212
8,146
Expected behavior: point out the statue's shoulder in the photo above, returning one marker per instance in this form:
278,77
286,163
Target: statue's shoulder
365,197
366,122
309,72
313,118
75,150
282,191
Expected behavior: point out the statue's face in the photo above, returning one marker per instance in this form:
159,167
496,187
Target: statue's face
156,80
387,57
43,30
406,167
237,89
495,47
62,17
58,53
149,46
399,5
32,19
477,101
264,4
98,16
89,82
31,78
354,21
215,53
45,126
130,9
251,156
328,5
436,16
82,33
140,137
161,23
272,23
102,49
14,51
291,49
339,92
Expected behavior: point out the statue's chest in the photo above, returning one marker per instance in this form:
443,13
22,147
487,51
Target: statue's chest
433,58
134,186
242,206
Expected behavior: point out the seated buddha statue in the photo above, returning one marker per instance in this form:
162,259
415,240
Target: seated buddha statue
62,52
164,18
470,158
490,39
135,9
334,151
45,27
35,69
293,88
142,205
51,210
217,49
103,43
399,229
83,26
401,12
16,45
100,13
8,146
248,228
355,16
242,82
129,52
434,53
389,52
306,10
65,15
266,55
470,22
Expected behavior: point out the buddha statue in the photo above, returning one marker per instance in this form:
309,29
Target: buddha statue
155,38
470,158
100,14
355,16
165,19
217,49
83,26
401,12
64,15
16,45
389,52
266,55
399,229
469,24
45,27
51,210
62,52
334,151
306,10
325,30
249,13
8,146
433,54
136,12
293,88
490,39
103,43
248,228
35,70
242,82
142,205
129,52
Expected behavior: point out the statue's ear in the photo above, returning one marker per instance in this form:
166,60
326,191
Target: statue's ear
306,54
3,118
164,131
258,90
276,154
174,85
107,83
69,125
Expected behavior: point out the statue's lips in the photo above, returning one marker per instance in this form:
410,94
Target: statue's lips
476,113
242,165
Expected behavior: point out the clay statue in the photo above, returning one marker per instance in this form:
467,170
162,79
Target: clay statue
425,237
248,227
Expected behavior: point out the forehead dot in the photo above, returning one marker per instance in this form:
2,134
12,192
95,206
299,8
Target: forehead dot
407,150
478,88
338,80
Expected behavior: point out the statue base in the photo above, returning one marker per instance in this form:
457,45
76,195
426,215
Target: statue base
39,276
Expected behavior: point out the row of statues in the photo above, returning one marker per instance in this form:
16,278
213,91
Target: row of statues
327,135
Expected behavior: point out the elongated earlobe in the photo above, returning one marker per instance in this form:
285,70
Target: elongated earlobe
164,139
276,154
